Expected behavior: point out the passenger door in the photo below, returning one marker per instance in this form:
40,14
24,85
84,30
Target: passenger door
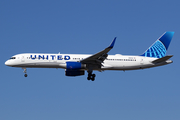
22,59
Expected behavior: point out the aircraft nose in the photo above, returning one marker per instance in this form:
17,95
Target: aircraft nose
7,63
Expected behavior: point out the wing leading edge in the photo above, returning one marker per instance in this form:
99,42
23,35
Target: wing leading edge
99,57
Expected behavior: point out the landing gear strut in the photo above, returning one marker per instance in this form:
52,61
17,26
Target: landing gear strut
91,76
25,71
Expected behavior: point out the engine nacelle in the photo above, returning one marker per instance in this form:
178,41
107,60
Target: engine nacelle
74,65
69,72
74,69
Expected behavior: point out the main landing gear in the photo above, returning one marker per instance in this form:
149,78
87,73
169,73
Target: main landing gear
25,71
91,76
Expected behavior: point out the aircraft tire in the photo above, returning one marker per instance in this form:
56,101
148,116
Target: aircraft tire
25,75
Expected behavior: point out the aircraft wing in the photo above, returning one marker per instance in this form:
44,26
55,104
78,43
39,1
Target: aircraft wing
99,57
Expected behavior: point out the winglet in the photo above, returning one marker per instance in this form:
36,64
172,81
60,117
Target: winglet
112,43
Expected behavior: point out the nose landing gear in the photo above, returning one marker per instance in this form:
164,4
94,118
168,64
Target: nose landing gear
25,75
25,71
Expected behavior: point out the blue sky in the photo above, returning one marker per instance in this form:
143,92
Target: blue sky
87,27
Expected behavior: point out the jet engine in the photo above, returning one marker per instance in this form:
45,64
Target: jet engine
74,69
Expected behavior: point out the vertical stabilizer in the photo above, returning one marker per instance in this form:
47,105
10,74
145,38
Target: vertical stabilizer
160,47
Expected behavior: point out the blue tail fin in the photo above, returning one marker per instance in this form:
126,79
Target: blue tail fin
159,48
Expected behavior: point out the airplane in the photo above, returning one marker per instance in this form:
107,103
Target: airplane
77,64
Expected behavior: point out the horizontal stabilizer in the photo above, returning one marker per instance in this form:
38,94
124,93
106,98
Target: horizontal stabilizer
163,59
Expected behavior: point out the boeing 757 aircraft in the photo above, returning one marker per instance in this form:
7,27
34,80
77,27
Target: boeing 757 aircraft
77,64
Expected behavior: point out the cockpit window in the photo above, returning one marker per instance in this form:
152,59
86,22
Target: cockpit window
13,58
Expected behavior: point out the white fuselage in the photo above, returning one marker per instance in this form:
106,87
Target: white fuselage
77,64
112,62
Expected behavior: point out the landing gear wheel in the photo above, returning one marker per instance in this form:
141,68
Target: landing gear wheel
25,75
91,76
88,78
25,71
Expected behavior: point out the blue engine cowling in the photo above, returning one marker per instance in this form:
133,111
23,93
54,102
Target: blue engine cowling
74,69
74,65
74,72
